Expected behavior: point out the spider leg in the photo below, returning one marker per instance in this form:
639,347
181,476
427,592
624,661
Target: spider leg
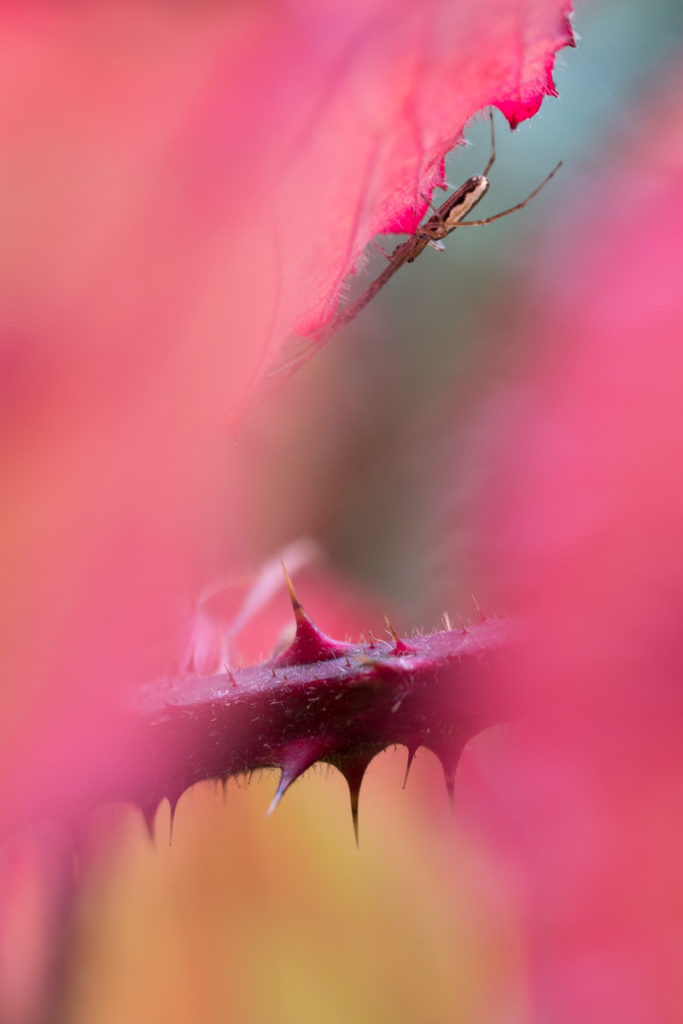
512,209
429,204
492,158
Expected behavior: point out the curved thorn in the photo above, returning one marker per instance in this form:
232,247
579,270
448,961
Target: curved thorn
282,788
400,646
412,751
449,778
172,804
310,643
354,794
390,628
449,757
297,606
149,814
353,768
295,761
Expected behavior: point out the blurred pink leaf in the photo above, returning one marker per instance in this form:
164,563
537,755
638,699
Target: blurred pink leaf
589,535
183,187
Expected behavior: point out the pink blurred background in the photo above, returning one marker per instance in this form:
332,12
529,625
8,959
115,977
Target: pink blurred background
556,330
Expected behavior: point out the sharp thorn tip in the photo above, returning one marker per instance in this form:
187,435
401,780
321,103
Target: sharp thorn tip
276,800
392,631
354,815
412,751
172,803
293,596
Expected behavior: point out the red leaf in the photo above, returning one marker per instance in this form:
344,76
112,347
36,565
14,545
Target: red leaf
184,187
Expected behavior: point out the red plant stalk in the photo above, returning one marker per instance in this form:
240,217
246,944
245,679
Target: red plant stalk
321,700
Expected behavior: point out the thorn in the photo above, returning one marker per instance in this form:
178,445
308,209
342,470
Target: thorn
446,619
347,660
384,253
449,759
231,677
296,760
279,793
172,803
392,631
297,606
353,768
354,793
310,644
449,778
400,646
149,814
412,751
480,612
371,639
